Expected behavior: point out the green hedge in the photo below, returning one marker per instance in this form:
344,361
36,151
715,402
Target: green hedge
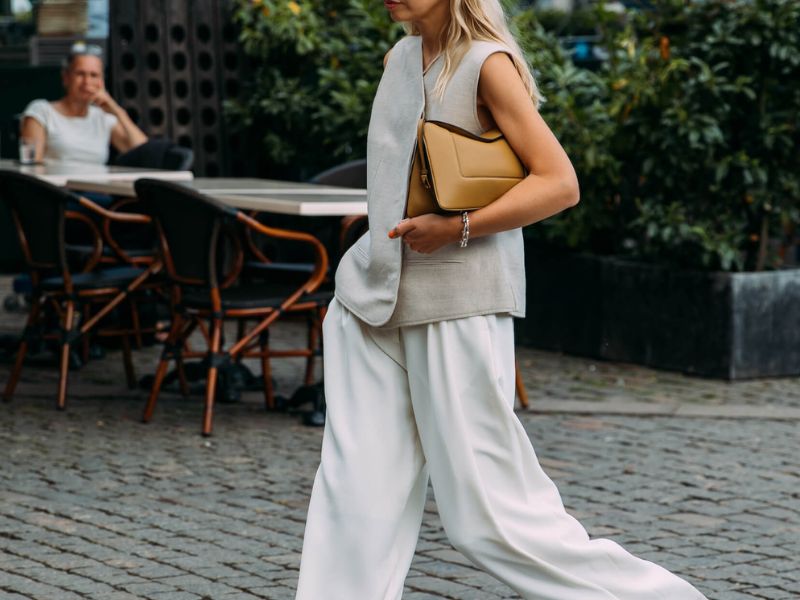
316,69
706,99
685,141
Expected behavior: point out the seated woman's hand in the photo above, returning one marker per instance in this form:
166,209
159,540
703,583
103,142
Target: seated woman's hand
427,233
102,99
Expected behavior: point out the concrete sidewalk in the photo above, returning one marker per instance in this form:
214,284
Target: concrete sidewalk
700,476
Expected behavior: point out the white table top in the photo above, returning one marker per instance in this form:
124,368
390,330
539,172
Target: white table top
267,195
58,172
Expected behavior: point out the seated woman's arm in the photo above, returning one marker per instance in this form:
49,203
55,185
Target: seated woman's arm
125,135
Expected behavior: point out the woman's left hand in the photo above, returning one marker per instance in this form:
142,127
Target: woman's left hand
427,233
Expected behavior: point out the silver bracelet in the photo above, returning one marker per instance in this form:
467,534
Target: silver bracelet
465,230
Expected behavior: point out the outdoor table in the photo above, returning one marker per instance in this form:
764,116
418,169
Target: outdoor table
58,172
263,195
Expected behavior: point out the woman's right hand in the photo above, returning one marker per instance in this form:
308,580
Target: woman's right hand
427,233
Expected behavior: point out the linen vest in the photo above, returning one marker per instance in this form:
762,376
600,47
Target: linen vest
380,280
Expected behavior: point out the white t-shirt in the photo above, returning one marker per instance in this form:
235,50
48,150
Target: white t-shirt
75,139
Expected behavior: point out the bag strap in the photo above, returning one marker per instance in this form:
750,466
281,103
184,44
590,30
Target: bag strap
423,168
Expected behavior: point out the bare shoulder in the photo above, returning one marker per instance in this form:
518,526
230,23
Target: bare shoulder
498,73
498,67
386,56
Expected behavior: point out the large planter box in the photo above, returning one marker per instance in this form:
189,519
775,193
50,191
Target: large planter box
717,324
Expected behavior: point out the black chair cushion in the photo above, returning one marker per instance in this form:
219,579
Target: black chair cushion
278,273
113,277
157,154
252,296
86,251
280,267
22,284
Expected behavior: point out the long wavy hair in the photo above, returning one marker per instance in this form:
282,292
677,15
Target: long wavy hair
478,20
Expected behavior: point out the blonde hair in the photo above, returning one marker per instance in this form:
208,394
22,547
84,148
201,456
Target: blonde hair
478,20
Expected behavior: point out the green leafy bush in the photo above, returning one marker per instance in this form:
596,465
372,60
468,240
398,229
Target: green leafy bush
706,98
316,67
576,109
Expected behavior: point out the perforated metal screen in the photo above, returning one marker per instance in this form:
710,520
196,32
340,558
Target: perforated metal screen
173,62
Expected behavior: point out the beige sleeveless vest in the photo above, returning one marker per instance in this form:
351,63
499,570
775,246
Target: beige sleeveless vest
379,279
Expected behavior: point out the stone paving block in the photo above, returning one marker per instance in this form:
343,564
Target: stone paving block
277,592
147,588
735,596
113,577
35,589
447,555
198,585
773,593
240,596
436,585
156,571
245,582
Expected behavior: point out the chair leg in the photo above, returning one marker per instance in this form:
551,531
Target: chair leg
69,317
16,371
211,382
127,359
266,370
184,385
523,395
173,339
137,325
313,328
85,341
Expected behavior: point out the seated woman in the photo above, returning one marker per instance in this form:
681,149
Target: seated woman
79,126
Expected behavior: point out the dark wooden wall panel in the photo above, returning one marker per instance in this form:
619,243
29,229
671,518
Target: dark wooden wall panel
180,74
173,64
153,53
125,63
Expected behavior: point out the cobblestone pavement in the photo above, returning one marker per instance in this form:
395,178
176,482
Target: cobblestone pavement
94,504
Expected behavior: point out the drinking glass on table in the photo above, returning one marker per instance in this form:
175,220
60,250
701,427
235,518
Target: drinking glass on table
27,151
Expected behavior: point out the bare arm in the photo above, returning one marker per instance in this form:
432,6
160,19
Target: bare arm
125,135
33,130
550,187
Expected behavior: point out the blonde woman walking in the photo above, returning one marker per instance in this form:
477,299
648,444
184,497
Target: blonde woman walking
419,348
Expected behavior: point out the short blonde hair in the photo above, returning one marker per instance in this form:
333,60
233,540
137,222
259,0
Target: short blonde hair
478,20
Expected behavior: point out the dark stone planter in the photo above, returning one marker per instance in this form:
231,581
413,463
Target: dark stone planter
716,324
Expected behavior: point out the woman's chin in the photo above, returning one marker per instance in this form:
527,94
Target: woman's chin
398,15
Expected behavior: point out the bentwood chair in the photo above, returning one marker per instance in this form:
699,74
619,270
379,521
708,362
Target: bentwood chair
198,238
39,211
130,244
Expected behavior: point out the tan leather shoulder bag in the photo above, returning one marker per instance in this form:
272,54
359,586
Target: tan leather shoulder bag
454,170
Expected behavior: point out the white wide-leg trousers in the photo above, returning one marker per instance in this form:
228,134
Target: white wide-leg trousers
437,399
